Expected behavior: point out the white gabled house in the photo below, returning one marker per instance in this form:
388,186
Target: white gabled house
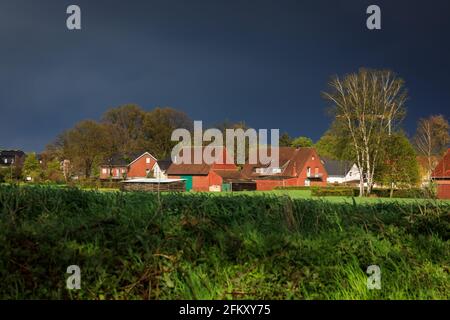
341,171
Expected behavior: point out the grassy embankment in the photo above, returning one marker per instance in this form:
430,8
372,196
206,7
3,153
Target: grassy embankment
200,246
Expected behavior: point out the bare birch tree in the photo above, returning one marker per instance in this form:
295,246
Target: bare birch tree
369,105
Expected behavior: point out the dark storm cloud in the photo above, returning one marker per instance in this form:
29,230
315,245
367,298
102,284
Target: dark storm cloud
264,62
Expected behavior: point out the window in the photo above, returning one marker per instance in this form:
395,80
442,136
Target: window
308,171
316,171
105,171
313,158
5,160
147,160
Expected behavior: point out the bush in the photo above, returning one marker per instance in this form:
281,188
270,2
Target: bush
332,191
293,188
415,193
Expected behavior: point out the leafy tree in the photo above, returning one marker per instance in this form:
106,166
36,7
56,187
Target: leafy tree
431,140
53,171
285,140
32,168
158,127
326,146
85,145
398,166
335,146
302,142
125,125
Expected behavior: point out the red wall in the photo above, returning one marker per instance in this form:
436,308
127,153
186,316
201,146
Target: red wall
302,176
113,172
443,189
138,168
313,164
202,183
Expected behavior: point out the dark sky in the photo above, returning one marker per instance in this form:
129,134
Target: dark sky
264,62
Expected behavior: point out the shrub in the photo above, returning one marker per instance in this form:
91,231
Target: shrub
333,191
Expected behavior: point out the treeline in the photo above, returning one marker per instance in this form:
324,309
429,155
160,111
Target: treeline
124,130
127,130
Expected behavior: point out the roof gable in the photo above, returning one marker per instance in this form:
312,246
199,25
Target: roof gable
291,162
442,170
145,153
201,168
337,167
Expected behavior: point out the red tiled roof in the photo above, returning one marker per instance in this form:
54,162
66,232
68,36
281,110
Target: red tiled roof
442,170
291,161
192,169
188,169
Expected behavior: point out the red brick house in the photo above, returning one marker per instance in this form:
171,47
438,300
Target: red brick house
441,176
297,167
204,177
120,167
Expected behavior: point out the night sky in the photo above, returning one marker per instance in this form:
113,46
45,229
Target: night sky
263,62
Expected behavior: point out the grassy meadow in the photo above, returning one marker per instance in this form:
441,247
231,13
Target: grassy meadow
234,246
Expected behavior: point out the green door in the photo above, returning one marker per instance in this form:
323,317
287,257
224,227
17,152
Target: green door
226,187
188,182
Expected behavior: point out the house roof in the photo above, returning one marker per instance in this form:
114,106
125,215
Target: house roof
193,169
123,160
141,155
442,170
188,169
164,164
231,175
291,162
11,153
337,167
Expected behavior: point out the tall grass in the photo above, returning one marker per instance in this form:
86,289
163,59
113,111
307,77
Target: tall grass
198,246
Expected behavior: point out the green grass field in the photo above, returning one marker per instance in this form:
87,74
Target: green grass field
306,194
219,246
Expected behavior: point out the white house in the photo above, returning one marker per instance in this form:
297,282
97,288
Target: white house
160,168
340,171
